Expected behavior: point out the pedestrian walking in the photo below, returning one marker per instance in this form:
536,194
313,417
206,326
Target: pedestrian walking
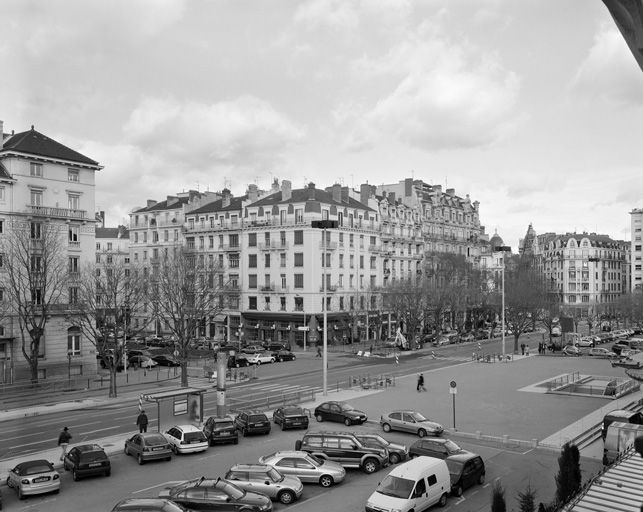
526,350
522,347
371,350
420,386
63,441
142,422
319,352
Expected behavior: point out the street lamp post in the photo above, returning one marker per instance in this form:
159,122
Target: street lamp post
304,330
324,225
69,368
503,249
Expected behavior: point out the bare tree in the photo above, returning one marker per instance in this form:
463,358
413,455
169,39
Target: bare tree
105,299
186,291
38,272
406,300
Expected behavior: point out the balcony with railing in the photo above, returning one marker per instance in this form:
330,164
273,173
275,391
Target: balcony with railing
51,211
228,248
268,287
329,246
329,288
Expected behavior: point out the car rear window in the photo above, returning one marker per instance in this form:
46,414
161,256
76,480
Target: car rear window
155,439
258,417
39,468
92,456
295,411
223,424
194,436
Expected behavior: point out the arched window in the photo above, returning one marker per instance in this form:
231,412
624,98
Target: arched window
73,341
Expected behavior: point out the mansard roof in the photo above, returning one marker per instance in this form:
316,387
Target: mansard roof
302,195
236,204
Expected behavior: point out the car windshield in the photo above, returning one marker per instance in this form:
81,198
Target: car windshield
230,489
346,407
396,487
275,475
451,446
418,417
455,467
155,439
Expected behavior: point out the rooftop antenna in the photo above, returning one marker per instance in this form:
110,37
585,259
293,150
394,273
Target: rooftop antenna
352,181
197,186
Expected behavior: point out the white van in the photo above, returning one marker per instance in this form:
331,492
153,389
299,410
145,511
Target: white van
620,436
415,485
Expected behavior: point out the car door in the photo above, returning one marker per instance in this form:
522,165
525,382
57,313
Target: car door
260,482
193,498
277,416
333,450
287,466
420,496
349,451
335,413
469,474
136,445
395,420
218,500
305,470
408,423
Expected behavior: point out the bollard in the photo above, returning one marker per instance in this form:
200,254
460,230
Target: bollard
478,434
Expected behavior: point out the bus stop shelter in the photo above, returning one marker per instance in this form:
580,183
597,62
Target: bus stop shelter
177,406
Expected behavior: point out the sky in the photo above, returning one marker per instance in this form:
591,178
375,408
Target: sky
532,107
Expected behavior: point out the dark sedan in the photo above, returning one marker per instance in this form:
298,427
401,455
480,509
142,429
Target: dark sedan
465,469
283,355
439,448
290,416
341,412
166,360
216,494
148,446
87,460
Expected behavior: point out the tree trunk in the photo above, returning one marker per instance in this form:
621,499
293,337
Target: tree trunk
184,374
33,359
112,381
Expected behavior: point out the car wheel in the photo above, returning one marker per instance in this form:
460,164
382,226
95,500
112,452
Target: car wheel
347,422
283,427
286,497
325,480
140,460
280,360
244,432
258,363
74,475
108,473
125,450
394,458
386,427
272,361
174,450
236,441
457,491
421,432
370,466
319,418
481,479
443,500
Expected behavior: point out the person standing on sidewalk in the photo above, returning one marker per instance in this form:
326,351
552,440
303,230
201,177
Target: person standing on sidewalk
63,441
420,386
142,421
319,351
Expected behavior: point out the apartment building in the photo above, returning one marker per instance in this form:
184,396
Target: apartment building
589,271
636,249
112,244
46,186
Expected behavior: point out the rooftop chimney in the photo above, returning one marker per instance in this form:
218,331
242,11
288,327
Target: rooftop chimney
451,192
275,186
253,193
344,194
391,197
336,191
438,188
286,190
311,191
364,193
227,196
408,187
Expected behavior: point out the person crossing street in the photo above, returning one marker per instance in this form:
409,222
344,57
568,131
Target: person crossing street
63,441
420,386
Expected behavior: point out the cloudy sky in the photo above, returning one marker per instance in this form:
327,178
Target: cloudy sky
532,107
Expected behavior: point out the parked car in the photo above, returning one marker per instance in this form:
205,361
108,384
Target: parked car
290,416
345,448
571,350
186,439
237,361
266,480
166,360
585,341
148,505
283,355
131,352
396,452
438,447
602,352
617,348
308,468
252,349
148,446
87,460
34,477
141,362
466,470
467,337
215,494
410,421
252,422
341,412
261,358
441,341
221,430
275,347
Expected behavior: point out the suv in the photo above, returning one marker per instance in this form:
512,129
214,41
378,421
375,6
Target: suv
221,430
252,422
265,479
345,448
396,452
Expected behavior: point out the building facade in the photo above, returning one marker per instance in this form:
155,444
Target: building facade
45,185
636,249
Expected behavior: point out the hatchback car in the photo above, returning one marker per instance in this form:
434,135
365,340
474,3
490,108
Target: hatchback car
237,361
571,350
166,360
290,416
186,439
602,352
87,460
410,421
585,341
265,479
252,422
261,358
308,468
396,452
221,430
148,504
341,412
465,469
252,349
33,477
437,447
148,446
216,494
284,355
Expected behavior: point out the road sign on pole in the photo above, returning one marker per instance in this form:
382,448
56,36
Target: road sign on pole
453,389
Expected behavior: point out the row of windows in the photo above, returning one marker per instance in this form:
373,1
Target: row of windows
36,170
298,280
155,236
342,303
